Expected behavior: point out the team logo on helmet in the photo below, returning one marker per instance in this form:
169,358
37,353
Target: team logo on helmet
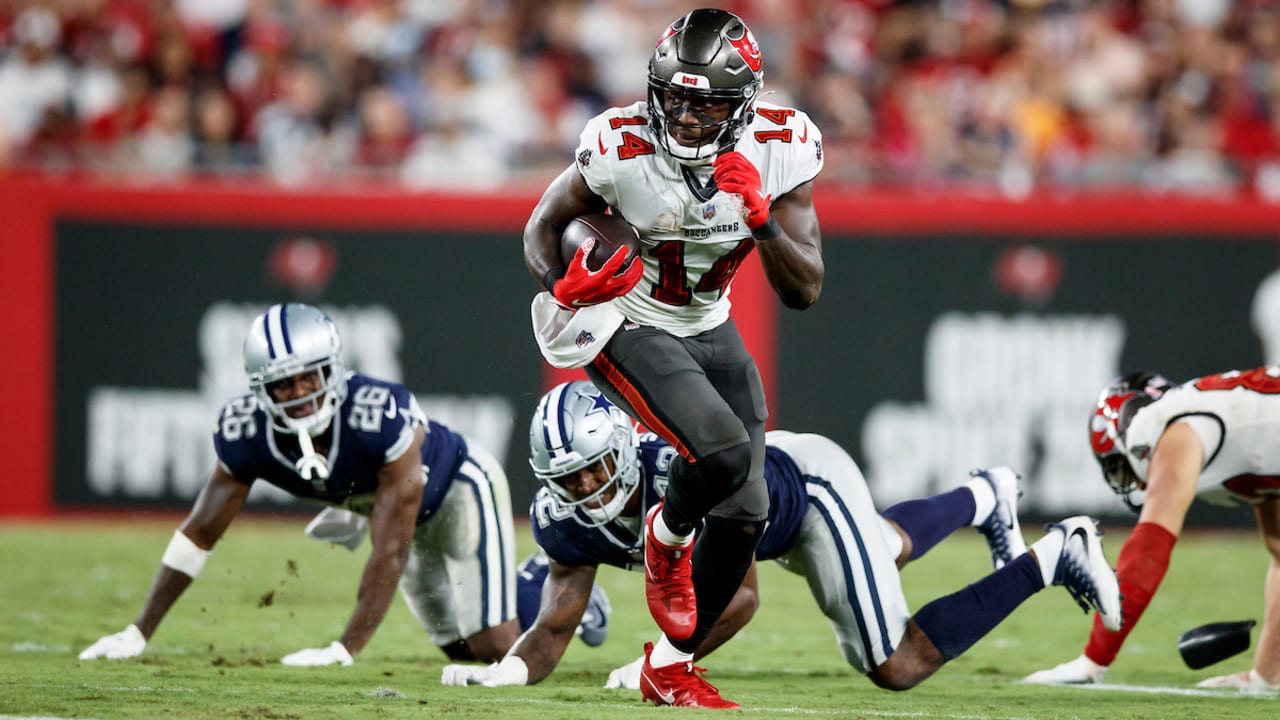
748,50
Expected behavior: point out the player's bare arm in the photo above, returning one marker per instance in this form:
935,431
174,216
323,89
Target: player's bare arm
214,509
1171,481
391,525
793,260
1266,660
567,197
564,599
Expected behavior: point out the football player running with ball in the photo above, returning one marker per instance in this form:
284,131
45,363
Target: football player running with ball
1160,447
599,479
438,505
706,172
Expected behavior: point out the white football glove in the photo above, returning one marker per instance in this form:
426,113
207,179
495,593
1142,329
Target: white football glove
335,654
125,644
1081,671
1249,681
511,671
626,677
338,526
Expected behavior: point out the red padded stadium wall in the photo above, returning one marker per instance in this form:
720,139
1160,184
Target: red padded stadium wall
32,207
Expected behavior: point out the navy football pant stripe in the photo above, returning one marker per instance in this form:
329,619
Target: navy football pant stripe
490,531
840,522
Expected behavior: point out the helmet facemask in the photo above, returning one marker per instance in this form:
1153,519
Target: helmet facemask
323,401
574,428
705,58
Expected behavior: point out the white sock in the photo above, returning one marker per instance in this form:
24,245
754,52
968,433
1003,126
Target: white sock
664,654
984,500
1048,549
664,535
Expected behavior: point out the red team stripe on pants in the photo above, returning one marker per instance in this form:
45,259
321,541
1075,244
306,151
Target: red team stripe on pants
639,405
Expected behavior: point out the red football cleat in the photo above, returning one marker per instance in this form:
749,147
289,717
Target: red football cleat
668,583
680,685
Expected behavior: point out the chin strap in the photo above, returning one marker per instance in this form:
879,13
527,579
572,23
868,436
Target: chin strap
311,466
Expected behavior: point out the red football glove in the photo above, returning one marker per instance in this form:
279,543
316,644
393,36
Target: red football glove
581,287
734,173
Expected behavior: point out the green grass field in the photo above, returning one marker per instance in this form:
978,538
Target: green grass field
268,591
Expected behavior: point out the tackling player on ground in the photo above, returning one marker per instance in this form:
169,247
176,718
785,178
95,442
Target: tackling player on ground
438,506
599,478
1161,447
706,172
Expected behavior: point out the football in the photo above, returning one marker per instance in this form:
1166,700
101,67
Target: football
610,231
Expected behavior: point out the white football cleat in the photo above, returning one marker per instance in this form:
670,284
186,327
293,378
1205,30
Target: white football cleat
1083,570
1001,528
1081,671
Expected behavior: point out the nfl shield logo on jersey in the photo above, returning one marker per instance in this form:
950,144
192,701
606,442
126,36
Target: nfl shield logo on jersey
708,211
584,339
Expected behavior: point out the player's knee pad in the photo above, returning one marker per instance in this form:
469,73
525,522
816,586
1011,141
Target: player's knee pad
727,470
697,487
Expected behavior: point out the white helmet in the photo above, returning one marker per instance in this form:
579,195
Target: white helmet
287,340
574,426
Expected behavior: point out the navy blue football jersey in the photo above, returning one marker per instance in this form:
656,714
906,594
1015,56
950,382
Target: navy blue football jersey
564,533
373,426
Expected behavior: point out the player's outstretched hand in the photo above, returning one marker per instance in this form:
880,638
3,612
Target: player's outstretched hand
582,287
734,173
511,671
125,644
1249,681
1081,671
335,654
626,677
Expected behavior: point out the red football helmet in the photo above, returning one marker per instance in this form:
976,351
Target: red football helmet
1110,420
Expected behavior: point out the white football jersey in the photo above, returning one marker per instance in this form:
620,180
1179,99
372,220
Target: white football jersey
1237,415
694,238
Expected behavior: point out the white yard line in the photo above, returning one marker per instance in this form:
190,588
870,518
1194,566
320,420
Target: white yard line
1186,692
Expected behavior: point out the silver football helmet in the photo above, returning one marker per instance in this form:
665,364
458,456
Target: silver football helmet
707,56
574,426
288,340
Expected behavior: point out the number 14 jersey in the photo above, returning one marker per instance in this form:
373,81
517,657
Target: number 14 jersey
693,236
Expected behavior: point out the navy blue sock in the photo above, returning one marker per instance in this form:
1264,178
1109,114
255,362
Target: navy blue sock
928,520
955,622
529,580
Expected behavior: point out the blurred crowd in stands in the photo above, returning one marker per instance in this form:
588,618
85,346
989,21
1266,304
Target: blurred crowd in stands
1005,97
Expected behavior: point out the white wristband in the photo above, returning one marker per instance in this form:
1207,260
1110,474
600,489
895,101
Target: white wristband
511,671
184,556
